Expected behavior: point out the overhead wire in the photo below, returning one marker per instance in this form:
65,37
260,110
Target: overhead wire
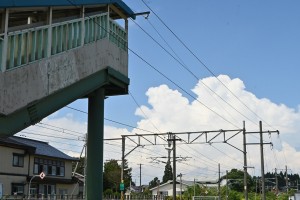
138,129
185,67
110,120
60,128
162,74
180,62
60,131
140,108
207,68
175,83
201,62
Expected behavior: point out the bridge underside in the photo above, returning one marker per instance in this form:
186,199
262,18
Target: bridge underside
113,83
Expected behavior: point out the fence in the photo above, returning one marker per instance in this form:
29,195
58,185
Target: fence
205,197
74,197
41,197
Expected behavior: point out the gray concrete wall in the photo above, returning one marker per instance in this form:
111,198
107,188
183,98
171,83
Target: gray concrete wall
24,85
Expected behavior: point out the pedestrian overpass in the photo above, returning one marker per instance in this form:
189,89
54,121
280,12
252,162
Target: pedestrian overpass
53,52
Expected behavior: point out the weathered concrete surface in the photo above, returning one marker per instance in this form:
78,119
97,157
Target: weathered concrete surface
28,84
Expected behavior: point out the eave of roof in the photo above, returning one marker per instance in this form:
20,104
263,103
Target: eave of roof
46,3
40,148
8,142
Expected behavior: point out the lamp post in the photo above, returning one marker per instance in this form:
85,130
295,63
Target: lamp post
41,175
30,185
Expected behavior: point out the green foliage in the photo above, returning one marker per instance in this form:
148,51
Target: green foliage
168,174
108,192
234,195
112,175
147,192
236,180
153,183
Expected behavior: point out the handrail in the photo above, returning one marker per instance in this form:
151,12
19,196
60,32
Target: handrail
30,45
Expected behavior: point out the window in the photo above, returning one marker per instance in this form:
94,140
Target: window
18,160
49,167
17,189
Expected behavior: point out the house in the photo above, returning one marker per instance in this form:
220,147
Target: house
33,167
166,189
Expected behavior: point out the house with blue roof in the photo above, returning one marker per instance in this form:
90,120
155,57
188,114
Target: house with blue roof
34,167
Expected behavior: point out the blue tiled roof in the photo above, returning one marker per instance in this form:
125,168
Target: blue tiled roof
42,148
42,3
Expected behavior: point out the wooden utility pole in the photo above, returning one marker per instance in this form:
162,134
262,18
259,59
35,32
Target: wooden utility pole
226,184
262,162
245,162
276,180
286,180
219,182
261,143
174,164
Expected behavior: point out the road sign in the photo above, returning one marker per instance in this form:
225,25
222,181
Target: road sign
122,187
42,175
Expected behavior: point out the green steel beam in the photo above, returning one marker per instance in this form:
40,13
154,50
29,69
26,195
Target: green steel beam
94,176
114,83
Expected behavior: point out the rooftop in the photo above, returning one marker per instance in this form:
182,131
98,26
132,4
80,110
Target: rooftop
36,147
74,3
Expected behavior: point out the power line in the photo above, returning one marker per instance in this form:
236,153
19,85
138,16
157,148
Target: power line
140,108
197,78
60,131
182,89
162,73
51,136
61,128
110,120
203,64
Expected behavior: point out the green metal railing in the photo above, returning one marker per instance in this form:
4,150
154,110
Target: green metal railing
29,45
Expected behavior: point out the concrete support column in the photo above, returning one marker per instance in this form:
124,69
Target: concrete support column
94,176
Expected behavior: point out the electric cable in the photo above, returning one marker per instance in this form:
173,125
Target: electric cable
110,120
203,64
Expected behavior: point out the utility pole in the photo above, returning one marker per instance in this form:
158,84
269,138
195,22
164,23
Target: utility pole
226,184
261,143
158,193
245,162
262,162
286,180
276,180
174,164
195,186
180,175
219,182
140,177
174,167
122,166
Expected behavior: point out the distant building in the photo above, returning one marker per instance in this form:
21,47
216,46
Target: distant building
166,189
22,160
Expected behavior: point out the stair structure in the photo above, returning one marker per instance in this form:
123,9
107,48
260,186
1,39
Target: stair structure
53,52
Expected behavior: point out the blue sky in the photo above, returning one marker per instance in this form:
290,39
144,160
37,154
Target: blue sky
254,41
253,45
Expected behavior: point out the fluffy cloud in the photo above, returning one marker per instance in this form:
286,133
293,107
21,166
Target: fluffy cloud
213,107
171,111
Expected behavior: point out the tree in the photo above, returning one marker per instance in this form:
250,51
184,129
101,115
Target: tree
112,175
168,174
154,183
236,181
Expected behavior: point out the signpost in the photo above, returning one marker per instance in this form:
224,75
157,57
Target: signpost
122,186
41,175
